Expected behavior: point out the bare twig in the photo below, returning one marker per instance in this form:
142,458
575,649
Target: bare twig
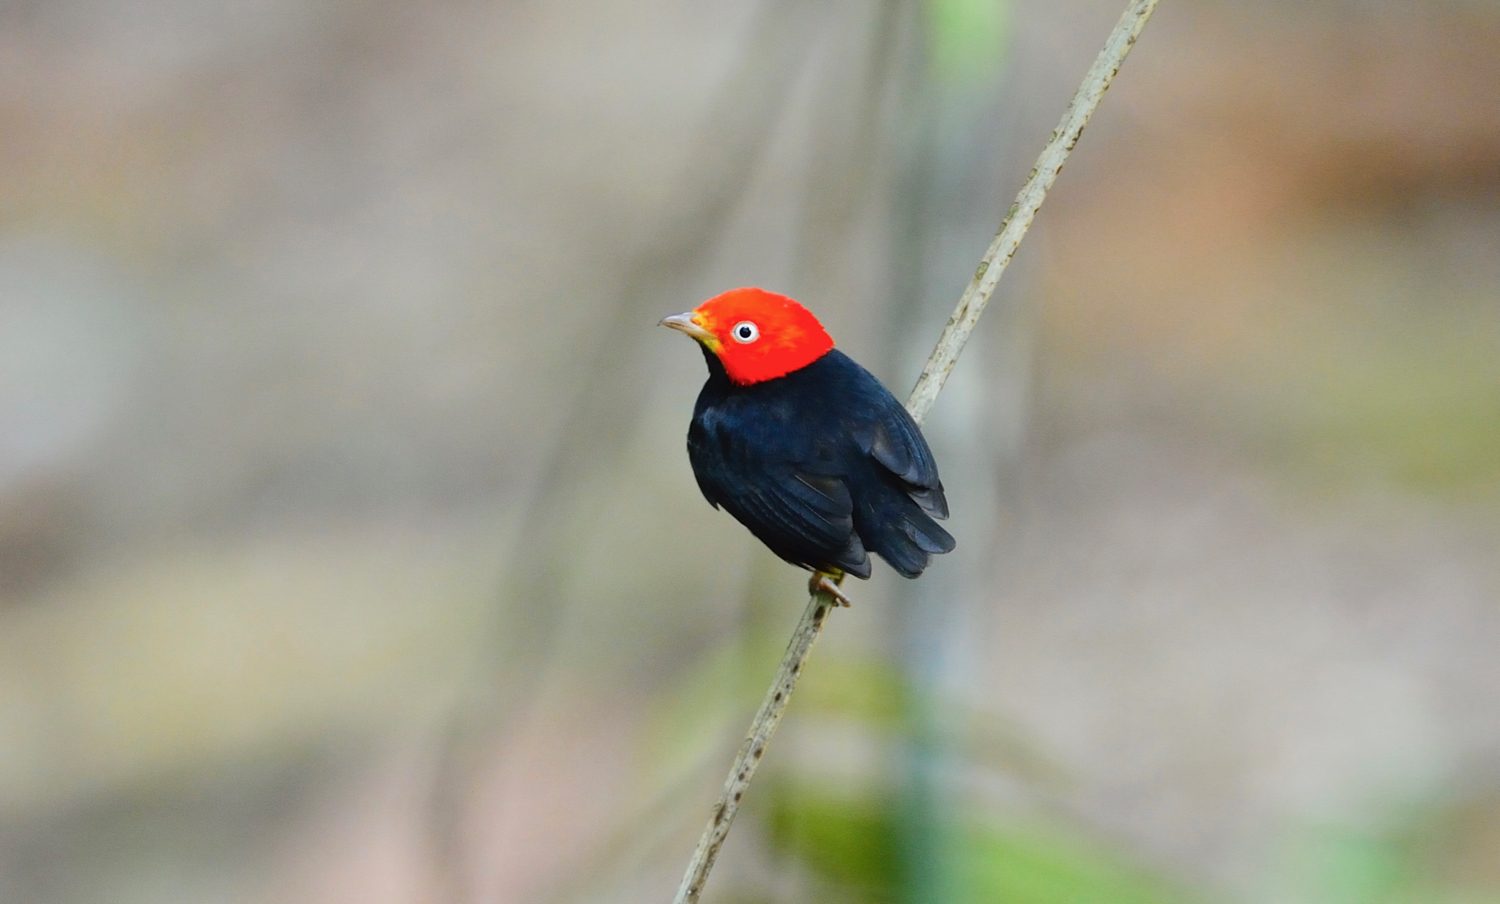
934,374
754,747
1023,210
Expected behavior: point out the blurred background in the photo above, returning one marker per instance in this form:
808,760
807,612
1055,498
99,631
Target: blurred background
349,550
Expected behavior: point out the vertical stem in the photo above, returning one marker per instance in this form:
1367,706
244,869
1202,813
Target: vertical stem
939,365
748,759
1023,211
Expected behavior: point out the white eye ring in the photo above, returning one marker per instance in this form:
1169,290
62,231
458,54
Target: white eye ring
745,332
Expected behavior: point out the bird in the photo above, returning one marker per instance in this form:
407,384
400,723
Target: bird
805,447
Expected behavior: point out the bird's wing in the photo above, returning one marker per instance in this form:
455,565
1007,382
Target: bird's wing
796,509
802,515
781,491
894,440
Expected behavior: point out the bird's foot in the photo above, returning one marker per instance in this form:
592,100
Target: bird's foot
822,583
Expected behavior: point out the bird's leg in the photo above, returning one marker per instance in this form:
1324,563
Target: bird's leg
826,583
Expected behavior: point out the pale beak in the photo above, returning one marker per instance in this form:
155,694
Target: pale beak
684,323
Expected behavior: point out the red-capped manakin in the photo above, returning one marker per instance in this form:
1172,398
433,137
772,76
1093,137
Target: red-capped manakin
805,447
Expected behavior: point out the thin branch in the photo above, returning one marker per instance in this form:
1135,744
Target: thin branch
934,374
1023,210
754,747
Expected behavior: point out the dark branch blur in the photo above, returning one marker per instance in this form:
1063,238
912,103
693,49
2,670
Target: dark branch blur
349,550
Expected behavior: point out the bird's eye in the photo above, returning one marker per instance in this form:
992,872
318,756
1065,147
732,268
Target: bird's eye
745,331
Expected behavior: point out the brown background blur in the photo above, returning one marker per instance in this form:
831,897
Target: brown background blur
349,551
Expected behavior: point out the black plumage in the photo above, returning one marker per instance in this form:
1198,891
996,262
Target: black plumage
823,465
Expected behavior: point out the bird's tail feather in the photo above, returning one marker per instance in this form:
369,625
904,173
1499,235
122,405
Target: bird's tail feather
909,541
